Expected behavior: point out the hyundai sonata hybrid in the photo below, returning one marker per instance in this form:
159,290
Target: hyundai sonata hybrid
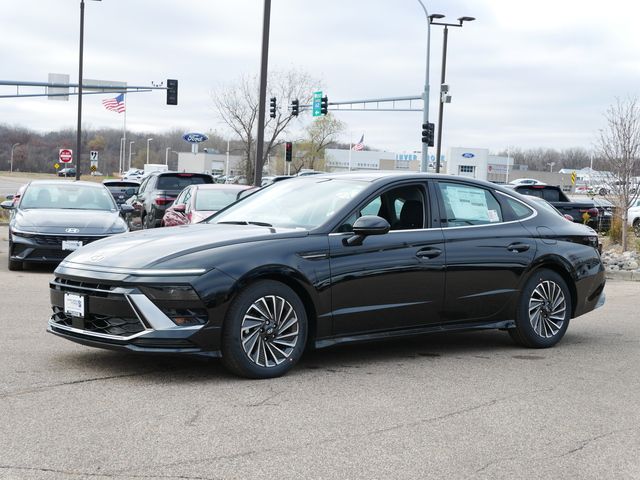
329,259
54,217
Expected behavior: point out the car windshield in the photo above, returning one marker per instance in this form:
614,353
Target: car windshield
211,200
68,196
305,202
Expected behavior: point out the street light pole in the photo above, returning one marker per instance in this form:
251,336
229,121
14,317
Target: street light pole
425,94
12,149
148,141
130,144
79,129
443,76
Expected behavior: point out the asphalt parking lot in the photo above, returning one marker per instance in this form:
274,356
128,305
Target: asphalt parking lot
468,405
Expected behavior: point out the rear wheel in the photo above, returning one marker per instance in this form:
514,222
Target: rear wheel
148,221
265,331
543,312
636,227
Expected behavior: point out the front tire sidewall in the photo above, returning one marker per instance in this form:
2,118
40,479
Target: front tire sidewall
233,355
524,333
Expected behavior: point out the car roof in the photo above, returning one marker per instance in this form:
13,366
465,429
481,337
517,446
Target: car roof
219,186
66,182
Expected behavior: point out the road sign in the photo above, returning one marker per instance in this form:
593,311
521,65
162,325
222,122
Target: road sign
65,155
93,155
317,104
93,168
573,178
56,166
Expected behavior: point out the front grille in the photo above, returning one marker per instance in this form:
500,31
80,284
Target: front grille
91,288
56,240
101,324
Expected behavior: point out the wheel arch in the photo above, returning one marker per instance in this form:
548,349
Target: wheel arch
558,266
292,279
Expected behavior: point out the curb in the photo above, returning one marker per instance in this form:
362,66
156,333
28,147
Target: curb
628,275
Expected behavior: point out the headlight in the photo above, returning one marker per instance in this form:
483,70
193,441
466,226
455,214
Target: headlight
180,303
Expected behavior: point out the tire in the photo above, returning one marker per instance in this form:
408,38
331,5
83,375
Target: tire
602,191
265,331
636,227
544,311
148,221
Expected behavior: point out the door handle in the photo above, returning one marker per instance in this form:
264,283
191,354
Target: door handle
429,252
518,247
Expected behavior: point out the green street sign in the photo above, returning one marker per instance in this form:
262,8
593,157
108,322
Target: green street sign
317,99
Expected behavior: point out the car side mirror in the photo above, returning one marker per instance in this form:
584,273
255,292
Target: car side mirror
7,205
126,208
9,197
365,226
179,208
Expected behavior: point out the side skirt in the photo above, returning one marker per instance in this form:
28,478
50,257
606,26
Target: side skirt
389,334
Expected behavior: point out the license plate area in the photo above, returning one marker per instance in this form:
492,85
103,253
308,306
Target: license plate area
71,244
74,305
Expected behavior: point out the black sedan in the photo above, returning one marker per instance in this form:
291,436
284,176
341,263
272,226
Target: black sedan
55,217
329,259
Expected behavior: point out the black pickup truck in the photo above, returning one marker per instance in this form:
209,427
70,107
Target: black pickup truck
585,211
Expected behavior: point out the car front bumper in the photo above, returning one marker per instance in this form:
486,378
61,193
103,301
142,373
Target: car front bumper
44,248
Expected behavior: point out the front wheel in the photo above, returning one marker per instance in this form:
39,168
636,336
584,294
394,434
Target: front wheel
636,227
265,331
544,311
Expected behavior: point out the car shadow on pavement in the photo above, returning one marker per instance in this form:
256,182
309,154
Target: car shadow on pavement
477,345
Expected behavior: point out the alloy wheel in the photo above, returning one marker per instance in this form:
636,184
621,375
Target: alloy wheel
269,331
547,309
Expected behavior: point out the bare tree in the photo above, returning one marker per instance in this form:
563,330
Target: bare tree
320,133
237,105
619,145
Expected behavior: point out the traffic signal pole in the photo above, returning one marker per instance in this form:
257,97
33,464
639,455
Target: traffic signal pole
441,103
257,175
425,94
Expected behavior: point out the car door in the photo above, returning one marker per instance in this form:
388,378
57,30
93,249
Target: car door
390,281
137,202
487,251
171,216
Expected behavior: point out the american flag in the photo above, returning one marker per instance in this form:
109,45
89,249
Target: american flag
115,104
360,145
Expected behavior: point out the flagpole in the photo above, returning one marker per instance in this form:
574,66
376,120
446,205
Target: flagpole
124,132
350,148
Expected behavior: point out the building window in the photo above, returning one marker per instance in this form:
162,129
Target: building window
466,168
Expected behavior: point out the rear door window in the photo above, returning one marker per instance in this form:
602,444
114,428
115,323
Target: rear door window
467,205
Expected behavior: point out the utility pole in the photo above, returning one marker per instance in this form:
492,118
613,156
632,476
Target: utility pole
257,174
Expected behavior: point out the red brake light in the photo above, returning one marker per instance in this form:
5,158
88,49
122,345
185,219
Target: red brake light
185,174
164,200
537,186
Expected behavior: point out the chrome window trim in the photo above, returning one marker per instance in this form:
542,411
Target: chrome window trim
137,272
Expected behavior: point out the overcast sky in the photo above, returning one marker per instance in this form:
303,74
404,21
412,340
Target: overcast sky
524,74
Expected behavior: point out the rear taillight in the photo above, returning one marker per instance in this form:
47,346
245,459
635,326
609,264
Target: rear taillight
163,200
592,212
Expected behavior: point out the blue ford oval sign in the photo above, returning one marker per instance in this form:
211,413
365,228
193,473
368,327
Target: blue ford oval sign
468,155
194,137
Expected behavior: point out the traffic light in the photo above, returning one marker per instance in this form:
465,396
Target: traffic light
288,151
172,92
324,105
428,130
295,107
272,107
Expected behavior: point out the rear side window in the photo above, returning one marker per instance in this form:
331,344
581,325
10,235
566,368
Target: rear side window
180,181
467,205
549,194
520,210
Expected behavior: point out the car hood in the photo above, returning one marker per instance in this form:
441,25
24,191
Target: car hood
149,248
50,220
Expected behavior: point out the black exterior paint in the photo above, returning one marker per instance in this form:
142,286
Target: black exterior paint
400,283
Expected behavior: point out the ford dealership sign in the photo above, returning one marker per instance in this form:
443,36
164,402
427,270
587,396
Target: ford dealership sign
194,137
468,155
